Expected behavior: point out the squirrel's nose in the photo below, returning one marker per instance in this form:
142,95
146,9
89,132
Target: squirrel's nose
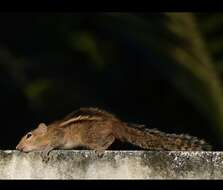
18,147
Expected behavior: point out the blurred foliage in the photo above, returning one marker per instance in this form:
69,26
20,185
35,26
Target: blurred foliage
162,69
199,79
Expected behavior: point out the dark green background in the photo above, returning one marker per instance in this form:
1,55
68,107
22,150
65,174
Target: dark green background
162,69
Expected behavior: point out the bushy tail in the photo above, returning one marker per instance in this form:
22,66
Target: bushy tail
155,140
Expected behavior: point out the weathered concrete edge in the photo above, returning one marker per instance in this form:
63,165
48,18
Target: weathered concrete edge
85,164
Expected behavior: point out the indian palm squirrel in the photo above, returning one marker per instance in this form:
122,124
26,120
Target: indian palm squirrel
97,129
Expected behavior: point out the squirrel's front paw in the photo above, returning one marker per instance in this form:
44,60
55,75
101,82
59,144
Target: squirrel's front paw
45,158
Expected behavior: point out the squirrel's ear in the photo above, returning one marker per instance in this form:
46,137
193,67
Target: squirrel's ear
42,127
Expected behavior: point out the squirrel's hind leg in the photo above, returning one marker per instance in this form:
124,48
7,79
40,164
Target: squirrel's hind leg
102,145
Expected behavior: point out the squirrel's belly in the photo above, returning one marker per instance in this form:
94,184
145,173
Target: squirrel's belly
70,145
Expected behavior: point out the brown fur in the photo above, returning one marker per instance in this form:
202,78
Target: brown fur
97,129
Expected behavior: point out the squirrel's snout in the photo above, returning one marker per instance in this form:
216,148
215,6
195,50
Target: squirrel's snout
18,147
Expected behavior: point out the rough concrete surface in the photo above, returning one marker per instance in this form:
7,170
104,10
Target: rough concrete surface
86,164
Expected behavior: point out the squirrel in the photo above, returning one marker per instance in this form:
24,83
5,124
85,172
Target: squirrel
97,129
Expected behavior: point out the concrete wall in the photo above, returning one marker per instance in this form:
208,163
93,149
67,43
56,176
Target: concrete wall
82,164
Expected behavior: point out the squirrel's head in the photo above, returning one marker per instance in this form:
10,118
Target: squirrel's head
33,140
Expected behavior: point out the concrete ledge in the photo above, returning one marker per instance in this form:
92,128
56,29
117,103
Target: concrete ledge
85,164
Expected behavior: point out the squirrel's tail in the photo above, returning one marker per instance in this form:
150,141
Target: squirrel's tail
155,140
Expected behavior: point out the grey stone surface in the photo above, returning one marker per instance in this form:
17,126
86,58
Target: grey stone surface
86,164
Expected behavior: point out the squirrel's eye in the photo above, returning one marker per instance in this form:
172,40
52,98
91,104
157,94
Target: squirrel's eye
28,135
